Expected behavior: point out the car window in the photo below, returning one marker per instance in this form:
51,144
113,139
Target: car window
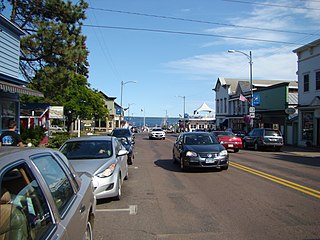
156,130
118,145
87,149
274,133
24,210
198,139
57,181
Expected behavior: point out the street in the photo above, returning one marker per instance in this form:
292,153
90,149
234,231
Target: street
263,195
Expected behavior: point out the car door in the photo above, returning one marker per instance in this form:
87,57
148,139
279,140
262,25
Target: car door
250,138
23,198
67,201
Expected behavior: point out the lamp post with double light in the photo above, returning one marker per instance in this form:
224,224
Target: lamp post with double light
249,56
121,94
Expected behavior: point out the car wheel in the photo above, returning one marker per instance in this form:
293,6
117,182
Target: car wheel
127,175
174,159
236,150
225,167
130,160
256,146
88,233
118,197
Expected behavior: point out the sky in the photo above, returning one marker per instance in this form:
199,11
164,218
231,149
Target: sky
167,55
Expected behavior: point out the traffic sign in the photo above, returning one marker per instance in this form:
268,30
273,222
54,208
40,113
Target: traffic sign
252,115
252,109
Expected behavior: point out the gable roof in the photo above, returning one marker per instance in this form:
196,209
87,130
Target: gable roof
244,84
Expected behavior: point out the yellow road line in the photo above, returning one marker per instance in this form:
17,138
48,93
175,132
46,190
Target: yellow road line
298,187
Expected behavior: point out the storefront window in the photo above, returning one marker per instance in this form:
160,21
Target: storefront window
8,111
307,126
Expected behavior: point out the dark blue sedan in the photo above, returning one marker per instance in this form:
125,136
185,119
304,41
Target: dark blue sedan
200,150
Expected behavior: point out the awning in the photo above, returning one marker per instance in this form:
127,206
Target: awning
14,88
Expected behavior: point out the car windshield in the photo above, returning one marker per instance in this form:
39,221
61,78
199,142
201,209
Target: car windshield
198,139
87,149
156,130
226,133
274,133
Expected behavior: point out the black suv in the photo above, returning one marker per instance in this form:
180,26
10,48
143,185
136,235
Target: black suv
259,138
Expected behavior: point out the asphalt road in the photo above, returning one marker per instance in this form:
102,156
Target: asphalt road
263,195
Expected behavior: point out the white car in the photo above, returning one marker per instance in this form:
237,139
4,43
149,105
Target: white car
157,133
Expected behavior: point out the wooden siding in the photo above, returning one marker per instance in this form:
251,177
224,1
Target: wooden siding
9,52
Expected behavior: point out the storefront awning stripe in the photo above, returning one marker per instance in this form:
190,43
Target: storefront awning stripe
13,88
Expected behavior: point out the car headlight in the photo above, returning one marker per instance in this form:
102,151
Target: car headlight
191,154
223,153
108,172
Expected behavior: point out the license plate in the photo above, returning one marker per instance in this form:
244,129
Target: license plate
210,160
230,145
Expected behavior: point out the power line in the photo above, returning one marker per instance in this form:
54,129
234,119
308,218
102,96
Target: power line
273,5
189,33
200,21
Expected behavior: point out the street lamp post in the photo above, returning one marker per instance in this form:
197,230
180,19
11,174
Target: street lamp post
184,111
121,94
249,56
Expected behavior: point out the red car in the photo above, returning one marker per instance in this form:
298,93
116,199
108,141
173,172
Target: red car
229,140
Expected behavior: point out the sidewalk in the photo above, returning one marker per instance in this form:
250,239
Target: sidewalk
302,151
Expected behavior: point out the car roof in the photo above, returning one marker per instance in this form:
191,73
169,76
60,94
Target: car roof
195,133
91,138
12,154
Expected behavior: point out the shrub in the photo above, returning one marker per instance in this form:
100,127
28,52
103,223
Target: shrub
57,139
32,135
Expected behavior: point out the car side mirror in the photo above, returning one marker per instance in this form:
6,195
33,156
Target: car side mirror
122,152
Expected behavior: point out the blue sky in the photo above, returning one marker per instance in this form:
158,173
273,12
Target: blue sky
169,66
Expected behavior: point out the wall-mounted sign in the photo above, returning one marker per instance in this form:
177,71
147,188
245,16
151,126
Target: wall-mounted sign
290,110
256,100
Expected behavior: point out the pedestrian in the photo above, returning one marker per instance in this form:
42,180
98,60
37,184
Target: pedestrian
11,137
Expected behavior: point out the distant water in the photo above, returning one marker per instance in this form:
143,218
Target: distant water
151,121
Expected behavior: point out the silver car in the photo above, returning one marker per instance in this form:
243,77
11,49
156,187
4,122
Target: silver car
104,157
42,197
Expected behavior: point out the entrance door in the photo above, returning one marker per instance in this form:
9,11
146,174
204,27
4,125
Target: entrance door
318,132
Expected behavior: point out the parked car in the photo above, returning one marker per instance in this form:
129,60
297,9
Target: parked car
259,138
57,128
229,140
200,150
104,157
123,132
129,147
157,133
42,197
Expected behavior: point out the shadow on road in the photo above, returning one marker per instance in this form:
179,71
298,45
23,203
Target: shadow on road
305,160
168,165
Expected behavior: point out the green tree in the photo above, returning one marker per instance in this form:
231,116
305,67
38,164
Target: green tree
54,55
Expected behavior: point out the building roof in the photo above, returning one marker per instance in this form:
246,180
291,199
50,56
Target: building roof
10,25
245,84
307,46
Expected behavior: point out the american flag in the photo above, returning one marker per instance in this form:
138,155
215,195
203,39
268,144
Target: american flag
243,98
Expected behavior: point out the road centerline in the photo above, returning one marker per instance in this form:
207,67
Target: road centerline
284,182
